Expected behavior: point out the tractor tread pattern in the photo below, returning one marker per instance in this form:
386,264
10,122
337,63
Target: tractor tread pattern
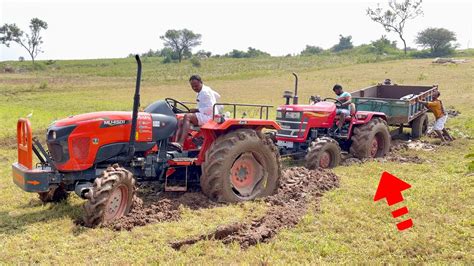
364,133
212,179
97,196
317,147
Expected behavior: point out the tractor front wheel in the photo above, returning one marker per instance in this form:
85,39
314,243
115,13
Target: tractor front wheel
110,197
323,153
241,165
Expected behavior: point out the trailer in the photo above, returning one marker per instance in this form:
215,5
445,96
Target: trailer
399,104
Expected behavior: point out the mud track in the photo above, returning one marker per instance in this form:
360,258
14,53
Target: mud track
151,205
299,186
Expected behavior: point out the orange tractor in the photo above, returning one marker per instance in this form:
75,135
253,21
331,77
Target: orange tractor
101,155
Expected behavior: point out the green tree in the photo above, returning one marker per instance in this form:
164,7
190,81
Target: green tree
383,45
344,43
437,39
31,42
252,52
181,41
311,50
396,16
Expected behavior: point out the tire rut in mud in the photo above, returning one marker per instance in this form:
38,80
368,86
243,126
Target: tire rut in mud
298,188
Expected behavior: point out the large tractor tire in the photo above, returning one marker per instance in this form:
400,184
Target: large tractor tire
110,197
55,194
241,165
419,126
323,153
371,140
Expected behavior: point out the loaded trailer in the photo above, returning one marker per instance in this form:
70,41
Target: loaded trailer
398,103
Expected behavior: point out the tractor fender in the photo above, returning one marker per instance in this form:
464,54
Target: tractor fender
368,116
228,124
212,130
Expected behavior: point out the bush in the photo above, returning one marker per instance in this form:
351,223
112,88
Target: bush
345,43
311,50
195,62
50,62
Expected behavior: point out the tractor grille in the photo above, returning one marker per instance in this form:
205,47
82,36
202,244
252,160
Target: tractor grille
80,148
291,129
57,153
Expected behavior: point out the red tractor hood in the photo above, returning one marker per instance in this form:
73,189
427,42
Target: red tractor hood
318,107
96,116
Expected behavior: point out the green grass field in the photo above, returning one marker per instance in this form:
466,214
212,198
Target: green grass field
348,228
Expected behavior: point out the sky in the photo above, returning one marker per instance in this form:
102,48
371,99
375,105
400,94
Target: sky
114,29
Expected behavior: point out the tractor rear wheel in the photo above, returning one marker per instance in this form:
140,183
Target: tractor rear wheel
55,194
323,153
110,197
371,140
419,126
241,165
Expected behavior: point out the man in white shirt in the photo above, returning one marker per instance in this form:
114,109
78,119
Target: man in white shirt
206,98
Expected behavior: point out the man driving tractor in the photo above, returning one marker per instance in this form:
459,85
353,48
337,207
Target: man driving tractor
344,109
206,98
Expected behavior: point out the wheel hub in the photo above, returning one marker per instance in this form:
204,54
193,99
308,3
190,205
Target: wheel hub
246,174
375,146
117,203
325,160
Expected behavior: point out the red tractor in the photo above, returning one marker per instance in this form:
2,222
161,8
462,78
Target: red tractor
101,155
310,130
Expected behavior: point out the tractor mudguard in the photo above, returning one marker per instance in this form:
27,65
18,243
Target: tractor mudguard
241,123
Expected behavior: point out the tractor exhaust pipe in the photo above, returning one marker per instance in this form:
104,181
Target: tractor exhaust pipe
295,97
136,105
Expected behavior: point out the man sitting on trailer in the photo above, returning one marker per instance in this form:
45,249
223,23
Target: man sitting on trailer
206,98
344,109
436,106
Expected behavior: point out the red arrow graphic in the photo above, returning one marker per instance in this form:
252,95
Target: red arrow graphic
390,187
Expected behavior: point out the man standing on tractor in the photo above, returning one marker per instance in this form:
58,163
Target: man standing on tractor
206,98
343,109
436,106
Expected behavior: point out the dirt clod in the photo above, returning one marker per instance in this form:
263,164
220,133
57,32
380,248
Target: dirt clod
285,209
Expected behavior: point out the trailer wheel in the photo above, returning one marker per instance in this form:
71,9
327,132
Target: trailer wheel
241,165
110,197
371,140
419,126
55,194
323,153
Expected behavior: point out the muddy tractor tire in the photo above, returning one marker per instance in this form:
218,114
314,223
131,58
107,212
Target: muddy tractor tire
419,126
371,140
55,194
323,153
110,197
241,165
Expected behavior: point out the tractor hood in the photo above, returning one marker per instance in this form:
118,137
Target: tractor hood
111,118
326,107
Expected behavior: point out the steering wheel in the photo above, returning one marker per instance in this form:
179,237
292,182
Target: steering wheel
336,101
173,104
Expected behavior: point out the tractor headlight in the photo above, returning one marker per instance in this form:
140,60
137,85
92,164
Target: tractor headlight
52,135
293,115
279,114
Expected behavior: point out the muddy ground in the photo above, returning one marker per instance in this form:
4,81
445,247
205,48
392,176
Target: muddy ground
298,187
285,209
152,205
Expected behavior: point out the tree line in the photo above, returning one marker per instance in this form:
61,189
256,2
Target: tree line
178,44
